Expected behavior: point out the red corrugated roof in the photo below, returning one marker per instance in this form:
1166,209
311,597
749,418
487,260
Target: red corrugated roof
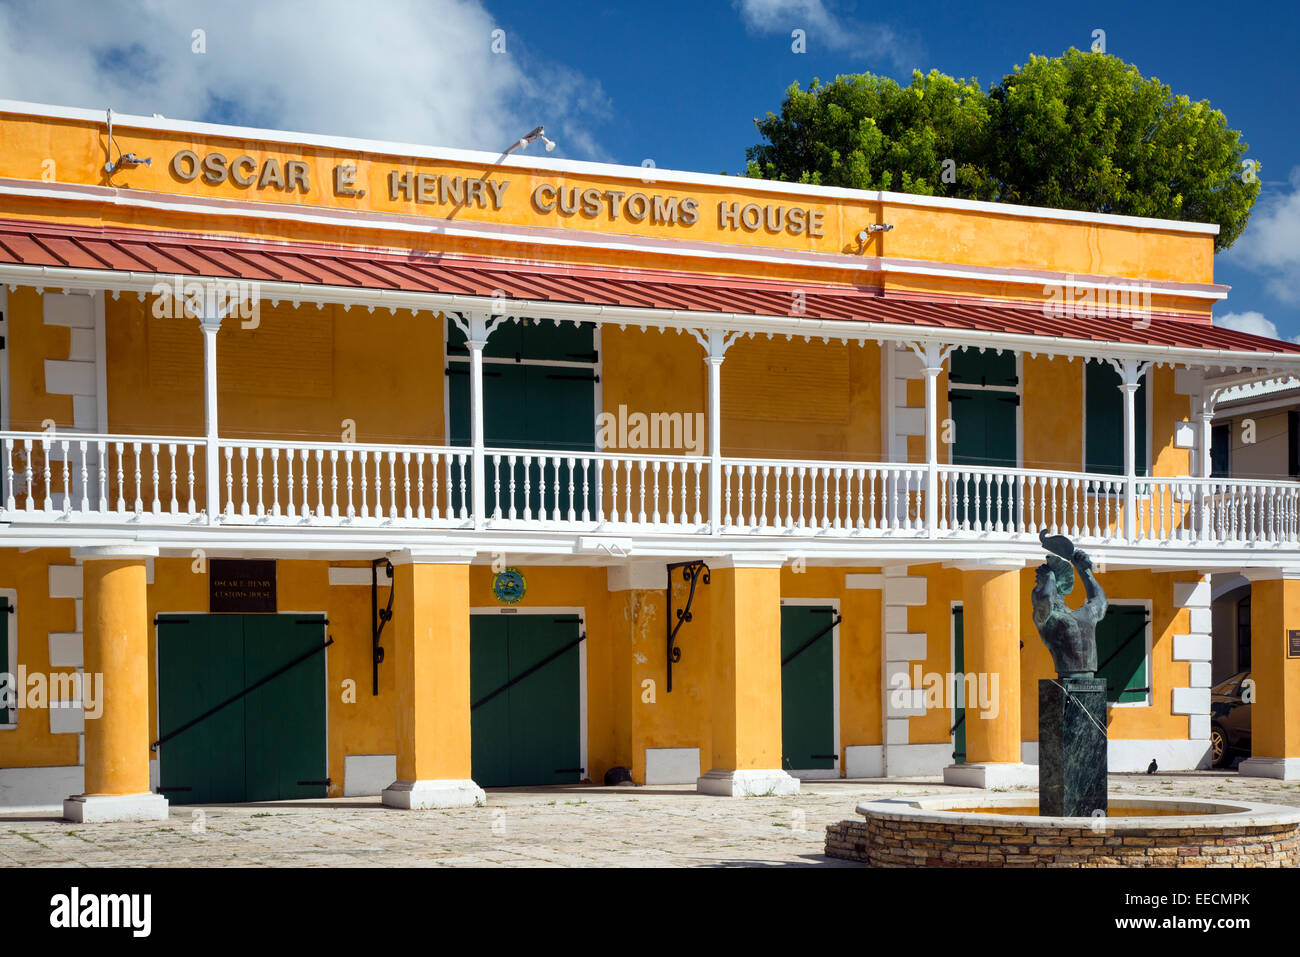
42,244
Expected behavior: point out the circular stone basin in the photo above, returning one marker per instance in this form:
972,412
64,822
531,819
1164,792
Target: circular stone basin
1006,831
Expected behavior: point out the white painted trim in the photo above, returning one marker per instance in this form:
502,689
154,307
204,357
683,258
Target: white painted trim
346,575
581,612
838,770
12,595
39,788
365,775
126,121
1171,754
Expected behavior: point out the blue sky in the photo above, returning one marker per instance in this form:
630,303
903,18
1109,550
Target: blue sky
675,82
685,81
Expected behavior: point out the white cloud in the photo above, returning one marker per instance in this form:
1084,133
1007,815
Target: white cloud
1270,244
1252,322
870,41
419,71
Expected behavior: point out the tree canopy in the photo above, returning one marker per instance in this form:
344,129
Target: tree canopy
1082,131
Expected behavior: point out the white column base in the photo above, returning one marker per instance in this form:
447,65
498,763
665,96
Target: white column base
103,808
992,775
1284,769
422,795
761,783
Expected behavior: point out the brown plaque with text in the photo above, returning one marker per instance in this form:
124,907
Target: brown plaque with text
241,586
1293,644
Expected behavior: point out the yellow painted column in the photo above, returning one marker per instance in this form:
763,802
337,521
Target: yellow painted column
429,654
744,598
116,669
1275,713
991,607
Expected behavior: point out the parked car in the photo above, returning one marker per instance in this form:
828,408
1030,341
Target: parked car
1229,721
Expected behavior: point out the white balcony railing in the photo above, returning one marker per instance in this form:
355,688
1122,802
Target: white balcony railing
93,479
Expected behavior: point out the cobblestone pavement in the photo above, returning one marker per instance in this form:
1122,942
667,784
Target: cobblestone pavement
578,826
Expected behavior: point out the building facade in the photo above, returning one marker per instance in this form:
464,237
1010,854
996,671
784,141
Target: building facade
340,467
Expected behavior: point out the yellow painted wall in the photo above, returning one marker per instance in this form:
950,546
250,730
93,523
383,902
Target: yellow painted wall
966,236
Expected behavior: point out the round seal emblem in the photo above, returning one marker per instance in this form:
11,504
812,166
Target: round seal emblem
509,586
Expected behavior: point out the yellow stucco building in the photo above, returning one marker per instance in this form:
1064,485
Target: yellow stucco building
341,467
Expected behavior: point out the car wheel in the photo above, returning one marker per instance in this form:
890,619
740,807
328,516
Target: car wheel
1218,747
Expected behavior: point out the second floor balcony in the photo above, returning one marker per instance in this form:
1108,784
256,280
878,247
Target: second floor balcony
169,481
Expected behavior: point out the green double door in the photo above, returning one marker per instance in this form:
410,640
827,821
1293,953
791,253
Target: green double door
808,688
270,743
525,699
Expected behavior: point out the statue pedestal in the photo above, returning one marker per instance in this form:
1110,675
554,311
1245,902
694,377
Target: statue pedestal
1072,759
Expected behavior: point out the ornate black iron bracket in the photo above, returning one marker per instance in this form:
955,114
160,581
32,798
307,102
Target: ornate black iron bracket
693,572
379,616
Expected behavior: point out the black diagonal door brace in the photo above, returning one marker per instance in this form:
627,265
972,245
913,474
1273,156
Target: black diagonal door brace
231,700
524,674
810,642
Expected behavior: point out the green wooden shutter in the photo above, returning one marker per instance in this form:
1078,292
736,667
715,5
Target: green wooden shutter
1122,653
970,367
1104,422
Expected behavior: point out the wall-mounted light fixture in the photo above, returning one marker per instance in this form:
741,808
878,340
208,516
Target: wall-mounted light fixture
538,134
124,160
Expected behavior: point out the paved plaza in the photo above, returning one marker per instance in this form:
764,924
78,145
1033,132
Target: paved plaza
579,826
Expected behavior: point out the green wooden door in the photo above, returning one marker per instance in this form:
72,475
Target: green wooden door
544,722
284,719
807,688
489,656
527,732
200,665
959,687
260,746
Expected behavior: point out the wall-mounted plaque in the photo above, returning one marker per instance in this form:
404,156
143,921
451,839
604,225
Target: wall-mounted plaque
1293,644
241,586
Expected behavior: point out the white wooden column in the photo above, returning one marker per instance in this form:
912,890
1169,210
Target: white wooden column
210,324
716,342
932,356
1205,411
477,325
1130,374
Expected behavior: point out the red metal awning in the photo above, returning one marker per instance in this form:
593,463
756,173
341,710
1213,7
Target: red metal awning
192,254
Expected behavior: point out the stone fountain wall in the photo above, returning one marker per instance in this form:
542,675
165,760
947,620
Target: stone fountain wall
887,841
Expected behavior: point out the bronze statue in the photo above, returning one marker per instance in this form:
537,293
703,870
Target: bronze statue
1069,635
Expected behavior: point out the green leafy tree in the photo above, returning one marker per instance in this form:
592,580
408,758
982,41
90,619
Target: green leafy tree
1080,131
867,132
